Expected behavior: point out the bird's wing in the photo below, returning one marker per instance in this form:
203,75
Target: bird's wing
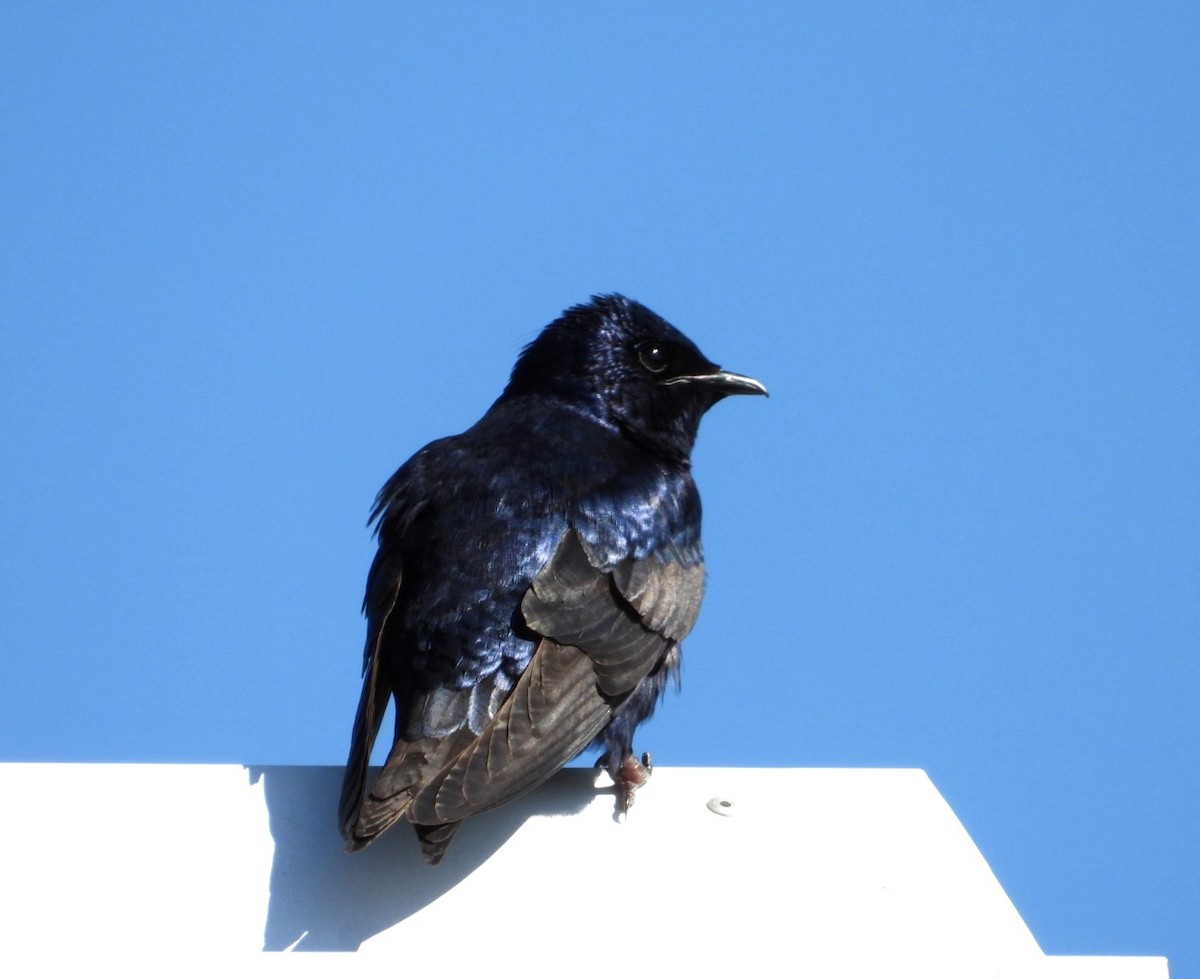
602,633
383,588
397,512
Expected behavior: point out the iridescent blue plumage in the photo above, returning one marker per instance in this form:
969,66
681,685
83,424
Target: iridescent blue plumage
568,508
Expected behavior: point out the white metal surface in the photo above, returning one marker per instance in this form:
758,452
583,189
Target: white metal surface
806,872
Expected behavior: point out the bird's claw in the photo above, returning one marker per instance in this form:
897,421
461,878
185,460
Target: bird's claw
630,777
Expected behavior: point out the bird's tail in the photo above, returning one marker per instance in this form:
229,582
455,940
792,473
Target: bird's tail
389,799
365,817
435,840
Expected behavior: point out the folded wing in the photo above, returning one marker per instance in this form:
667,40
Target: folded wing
602,633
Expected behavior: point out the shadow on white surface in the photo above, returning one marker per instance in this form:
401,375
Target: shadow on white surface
324,899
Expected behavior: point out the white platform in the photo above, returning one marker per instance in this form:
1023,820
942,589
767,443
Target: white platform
813,872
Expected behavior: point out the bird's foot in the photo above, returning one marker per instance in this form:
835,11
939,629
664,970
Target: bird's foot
629,777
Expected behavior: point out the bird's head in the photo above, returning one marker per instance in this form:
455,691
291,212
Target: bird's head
627,367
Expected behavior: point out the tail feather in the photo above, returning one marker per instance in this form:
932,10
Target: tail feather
408,769
435,840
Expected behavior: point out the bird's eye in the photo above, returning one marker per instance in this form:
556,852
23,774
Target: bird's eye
653,357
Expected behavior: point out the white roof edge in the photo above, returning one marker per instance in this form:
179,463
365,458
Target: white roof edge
836,872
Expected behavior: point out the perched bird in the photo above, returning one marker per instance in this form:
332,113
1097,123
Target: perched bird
535,576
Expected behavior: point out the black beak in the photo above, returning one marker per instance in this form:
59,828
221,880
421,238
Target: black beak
724,381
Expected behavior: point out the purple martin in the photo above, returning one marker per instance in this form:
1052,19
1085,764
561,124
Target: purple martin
535,577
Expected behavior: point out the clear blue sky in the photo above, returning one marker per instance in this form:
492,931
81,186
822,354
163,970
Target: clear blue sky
255,255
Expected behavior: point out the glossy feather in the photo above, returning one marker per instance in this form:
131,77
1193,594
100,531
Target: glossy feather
535,575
